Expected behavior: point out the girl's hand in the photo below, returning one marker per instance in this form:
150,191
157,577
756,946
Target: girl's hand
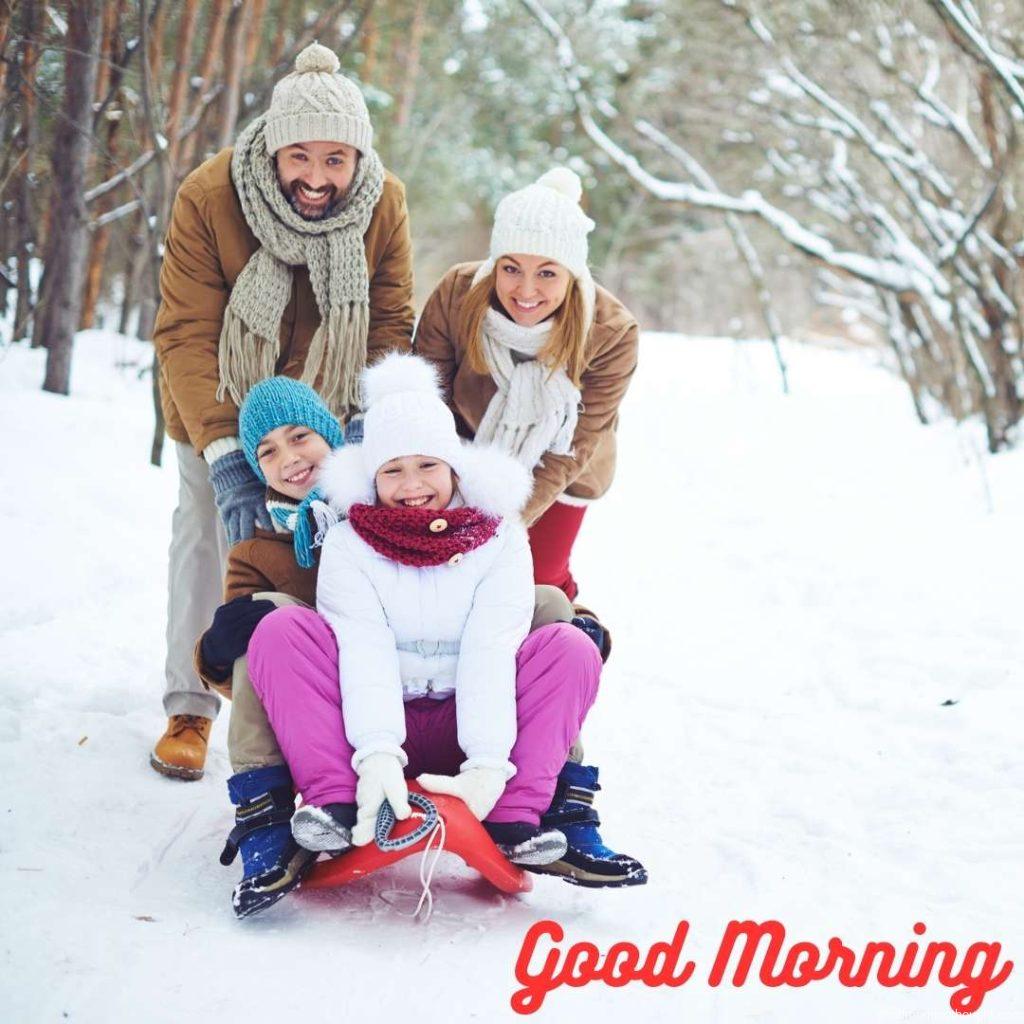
380,779
478,788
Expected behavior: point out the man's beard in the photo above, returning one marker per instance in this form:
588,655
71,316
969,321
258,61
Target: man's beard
331,207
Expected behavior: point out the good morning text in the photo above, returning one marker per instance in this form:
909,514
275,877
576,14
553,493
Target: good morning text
544,965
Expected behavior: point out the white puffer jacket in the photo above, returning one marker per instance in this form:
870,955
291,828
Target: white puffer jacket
482,608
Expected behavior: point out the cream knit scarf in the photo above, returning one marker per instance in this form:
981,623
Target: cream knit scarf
535,408
335,254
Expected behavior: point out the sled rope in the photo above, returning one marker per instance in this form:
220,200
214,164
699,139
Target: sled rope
386,822
428,862
432,827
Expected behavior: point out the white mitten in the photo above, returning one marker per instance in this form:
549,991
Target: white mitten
380,779
477,788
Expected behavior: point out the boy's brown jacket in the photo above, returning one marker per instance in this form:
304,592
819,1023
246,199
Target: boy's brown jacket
208,243
611,356
265,562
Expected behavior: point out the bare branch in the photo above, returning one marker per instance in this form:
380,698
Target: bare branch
116,214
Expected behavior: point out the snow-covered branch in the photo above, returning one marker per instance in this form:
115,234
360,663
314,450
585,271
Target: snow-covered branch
969,34
920,277
739,236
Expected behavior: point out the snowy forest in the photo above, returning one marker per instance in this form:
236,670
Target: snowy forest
800,563
807,169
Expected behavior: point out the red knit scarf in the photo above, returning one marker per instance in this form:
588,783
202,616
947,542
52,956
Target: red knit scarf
405,535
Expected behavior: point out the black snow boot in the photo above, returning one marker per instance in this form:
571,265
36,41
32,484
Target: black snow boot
326,829
526,844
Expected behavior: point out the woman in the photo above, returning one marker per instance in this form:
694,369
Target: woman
535,359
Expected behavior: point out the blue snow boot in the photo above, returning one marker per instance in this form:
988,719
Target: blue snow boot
273,864
587,861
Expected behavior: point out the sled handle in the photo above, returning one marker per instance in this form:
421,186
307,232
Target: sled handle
386,822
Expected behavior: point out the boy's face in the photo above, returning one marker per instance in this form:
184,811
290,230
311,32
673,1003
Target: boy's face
415,481
289,457
315,176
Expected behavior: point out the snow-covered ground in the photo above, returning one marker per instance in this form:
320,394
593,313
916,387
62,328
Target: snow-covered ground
812,714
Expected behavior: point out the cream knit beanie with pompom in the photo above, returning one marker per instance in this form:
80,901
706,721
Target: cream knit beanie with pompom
544,219
316,104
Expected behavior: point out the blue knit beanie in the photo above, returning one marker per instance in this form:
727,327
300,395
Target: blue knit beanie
279,402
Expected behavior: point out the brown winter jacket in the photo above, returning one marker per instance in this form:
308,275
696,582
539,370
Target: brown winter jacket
611,359
208,243
265,562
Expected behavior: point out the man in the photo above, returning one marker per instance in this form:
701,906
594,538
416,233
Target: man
289,254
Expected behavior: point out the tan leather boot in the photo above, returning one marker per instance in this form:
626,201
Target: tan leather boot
181,751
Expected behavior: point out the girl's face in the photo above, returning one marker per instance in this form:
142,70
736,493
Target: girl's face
530,288
289,457
415,481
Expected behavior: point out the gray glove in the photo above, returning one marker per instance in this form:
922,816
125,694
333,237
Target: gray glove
241,498
354,430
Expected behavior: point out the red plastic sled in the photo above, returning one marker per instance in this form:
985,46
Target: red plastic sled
465,836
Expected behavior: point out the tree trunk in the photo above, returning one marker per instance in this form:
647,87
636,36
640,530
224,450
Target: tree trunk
108,75
134,245
24,145
155,39
412,65
238,26
66,247
6,11
207,66
252,42
371,39
179,90
277,50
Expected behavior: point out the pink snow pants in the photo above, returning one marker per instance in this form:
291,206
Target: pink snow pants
293,662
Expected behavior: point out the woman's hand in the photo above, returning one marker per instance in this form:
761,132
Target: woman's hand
478,788
380,778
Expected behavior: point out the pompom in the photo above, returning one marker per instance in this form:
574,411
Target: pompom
561,179
397,373
317,58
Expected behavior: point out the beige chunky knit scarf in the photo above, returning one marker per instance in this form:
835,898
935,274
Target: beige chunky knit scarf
535,409
335,254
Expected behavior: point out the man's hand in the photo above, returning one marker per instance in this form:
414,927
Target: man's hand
240,497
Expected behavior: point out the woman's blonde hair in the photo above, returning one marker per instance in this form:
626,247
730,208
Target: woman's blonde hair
565,346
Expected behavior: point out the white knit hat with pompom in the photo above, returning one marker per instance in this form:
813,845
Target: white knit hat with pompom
316,104
544,219
406,415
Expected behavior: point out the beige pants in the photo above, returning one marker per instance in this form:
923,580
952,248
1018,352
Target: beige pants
195,584
251,740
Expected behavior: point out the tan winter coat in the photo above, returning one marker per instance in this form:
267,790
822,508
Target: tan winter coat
611,359
208,243
265,562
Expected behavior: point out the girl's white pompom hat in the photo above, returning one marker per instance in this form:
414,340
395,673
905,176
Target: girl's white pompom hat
544,219
405,414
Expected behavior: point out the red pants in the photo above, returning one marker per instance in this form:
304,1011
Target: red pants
551,541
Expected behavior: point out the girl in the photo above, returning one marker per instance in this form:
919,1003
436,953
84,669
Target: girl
426,594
